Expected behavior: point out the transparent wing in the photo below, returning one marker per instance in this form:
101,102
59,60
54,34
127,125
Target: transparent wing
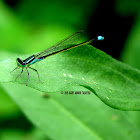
64,44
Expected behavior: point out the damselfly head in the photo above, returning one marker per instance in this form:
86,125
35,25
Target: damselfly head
20,63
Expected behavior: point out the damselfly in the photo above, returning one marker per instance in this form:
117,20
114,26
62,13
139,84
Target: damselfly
64,45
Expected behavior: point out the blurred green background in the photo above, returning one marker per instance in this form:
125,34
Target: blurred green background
28,26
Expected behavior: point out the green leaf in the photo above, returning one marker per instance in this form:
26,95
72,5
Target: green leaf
127,7
12,29
47,12
14,134
115,83
7,106
74,117
130,54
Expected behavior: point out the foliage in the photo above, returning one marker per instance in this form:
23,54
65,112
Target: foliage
112,84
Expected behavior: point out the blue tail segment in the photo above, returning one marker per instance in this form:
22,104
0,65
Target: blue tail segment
100,37
41,58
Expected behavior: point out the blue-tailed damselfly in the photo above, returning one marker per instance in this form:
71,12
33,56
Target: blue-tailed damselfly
63,45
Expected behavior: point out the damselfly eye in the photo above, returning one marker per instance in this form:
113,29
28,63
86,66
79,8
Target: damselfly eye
19,61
